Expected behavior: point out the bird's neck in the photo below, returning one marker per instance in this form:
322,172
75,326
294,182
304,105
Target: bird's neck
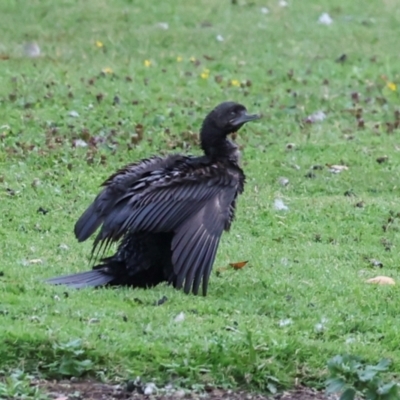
221,149
214,144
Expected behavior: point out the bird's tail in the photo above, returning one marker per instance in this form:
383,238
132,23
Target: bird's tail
81,280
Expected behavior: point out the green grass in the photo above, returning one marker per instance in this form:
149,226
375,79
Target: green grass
302,298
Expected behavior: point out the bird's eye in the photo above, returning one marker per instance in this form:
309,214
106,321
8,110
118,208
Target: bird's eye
233,112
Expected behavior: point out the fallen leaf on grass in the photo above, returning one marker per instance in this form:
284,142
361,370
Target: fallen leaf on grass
238,265
318,116
375,263
381,160
342,58
381,280
290,146
36,261
283,181
336,169
161,301
79,143
31,49
180,317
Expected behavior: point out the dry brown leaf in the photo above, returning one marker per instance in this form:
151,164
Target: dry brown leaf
238,265
381,280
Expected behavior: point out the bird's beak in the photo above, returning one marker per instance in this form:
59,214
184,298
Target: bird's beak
243,118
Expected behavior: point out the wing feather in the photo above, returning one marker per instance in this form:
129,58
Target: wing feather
206,268
195,243
196,263
116,187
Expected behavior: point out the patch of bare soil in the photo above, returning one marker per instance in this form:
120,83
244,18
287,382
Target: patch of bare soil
67,390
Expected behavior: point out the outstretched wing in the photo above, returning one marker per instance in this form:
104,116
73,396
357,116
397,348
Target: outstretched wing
195,203
116,186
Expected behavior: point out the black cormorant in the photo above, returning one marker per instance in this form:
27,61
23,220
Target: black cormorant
167,213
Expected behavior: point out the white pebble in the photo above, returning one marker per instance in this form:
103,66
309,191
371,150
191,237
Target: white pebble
279,205
149,389
79,143
32,49
163,25
73,114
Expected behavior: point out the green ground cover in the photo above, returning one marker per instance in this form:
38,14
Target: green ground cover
111,76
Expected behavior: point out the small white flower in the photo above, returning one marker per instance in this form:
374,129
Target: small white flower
321,325
285,322
283,3
264,10
325,19
220,38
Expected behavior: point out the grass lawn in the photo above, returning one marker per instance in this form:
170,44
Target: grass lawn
110,76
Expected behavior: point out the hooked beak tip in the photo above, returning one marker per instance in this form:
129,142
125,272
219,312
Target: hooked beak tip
245,118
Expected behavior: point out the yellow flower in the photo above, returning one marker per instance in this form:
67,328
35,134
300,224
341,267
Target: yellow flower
192,59
147,63
235,82
107,70
99,44
205,74
392,86
179,59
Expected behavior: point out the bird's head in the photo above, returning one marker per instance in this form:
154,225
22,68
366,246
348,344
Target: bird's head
228,117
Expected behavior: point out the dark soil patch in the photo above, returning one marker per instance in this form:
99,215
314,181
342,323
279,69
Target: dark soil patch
67,390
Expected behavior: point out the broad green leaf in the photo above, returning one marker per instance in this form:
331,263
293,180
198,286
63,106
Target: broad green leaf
335,385
348,394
